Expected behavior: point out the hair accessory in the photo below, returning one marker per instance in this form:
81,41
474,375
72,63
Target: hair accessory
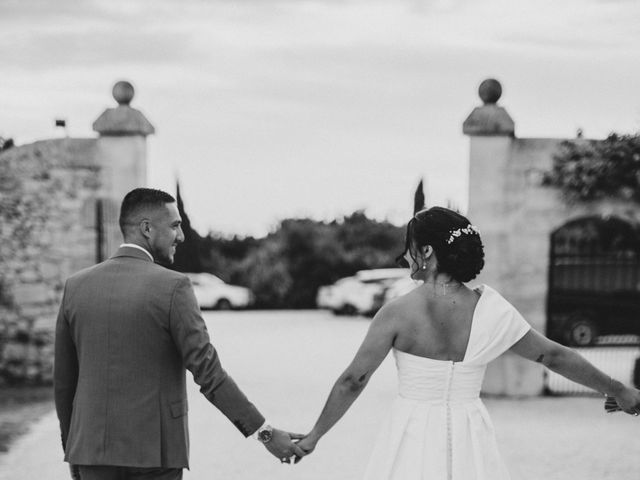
468,230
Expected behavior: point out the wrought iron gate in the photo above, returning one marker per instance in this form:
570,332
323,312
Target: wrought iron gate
594,280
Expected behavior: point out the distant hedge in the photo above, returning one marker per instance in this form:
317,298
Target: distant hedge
285,268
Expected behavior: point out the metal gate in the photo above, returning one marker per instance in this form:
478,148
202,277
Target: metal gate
594,297
594,280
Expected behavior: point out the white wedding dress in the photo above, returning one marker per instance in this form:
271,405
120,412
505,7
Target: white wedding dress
438,428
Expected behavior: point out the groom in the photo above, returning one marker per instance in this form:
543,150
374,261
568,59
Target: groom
126,331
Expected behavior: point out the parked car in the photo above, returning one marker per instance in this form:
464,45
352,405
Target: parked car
357,294
382,274
328,295
213,293
578,319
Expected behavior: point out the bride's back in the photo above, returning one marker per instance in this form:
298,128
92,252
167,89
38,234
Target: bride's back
434,326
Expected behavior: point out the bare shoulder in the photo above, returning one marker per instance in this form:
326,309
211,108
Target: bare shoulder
397,310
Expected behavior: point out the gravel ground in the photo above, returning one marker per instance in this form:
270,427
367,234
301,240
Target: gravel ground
286,363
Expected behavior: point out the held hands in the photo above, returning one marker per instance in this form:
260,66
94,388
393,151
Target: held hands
282,447
307,445
627,400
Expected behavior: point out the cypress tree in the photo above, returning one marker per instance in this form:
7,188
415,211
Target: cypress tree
418,198
188,254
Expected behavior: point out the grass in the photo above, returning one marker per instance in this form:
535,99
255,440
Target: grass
19,408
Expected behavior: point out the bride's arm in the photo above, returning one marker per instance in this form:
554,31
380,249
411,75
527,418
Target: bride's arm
351,383
570,364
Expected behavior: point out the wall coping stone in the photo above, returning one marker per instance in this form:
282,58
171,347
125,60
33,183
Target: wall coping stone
123,121
489,120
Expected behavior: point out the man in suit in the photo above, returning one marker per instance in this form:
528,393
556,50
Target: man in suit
126,331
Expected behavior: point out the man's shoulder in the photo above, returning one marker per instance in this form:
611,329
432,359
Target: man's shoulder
151,270
82,275
156,274
167,274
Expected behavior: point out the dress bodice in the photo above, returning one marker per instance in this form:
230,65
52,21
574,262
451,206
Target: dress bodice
438,427
437,381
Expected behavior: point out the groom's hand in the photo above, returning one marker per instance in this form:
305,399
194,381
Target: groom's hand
282,447
74,470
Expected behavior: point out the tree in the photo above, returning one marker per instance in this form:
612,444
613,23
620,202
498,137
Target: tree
286,268
595,169
6,143
418,198
188,257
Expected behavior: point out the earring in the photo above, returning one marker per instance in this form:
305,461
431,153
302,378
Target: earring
424,267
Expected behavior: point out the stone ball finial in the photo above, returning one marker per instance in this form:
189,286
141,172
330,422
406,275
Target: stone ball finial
490,91
122,120
123,92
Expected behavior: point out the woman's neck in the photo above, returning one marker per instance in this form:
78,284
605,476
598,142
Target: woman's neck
441,285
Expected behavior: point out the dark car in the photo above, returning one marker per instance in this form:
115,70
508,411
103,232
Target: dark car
578,319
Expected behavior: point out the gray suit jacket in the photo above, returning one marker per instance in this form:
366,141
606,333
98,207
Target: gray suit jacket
126,331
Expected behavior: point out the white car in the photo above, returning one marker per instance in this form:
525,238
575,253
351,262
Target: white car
399,287
382,274
325,298
359,294
212,292
332,297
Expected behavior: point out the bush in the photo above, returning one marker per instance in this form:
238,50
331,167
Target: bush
593,169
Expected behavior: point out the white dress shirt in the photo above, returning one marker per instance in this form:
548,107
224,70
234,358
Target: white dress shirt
133,245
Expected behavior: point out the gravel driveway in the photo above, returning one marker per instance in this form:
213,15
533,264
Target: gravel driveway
286,363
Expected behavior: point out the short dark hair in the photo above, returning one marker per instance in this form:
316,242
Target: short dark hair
139,199
461,256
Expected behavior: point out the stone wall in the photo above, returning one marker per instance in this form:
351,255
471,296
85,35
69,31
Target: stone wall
516,215
49,227
47,231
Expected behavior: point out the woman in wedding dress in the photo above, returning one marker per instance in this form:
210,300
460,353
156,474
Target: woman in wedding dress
443,334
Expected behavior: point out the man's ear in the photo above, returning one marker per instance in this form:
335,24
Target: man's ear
145,227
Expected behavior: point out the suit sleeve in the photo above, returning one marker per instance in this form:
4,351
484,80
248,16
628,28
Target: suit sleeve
65,372
191,337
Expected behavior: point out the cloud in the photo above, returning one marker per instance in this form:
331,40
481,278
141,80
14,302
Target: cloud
316,107
42,34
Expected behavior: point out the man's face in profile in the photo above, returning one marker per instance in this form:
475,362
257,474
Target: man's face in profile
166,233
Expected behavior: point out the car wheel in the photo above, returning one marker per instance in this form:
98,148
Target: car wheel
582,330
223,304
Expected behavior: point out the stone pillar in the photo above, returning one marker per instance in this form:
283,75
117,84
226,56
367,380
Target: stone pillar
121,151
491,132
492,137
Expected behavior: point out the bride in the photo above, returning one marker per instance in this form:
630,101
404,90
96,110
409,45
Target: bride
443,334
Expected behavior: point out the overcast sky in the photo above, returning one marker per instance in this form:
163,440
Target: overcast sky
269,109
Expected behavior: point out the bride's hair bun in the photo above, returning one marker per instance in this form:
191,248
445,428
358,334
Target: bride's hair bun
456,243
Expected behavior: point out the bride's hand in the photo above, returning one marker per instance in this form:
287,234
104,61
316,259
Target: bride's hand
629,401
307,444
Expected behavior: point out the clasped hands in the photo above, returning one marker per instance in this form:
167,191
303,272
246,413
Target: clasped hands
285,445
626,400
